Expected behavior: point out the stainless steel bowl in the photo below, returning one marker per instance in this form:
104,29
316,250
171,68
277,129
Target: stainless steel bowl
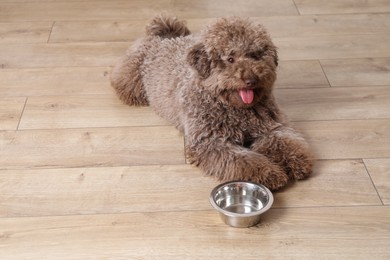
241,203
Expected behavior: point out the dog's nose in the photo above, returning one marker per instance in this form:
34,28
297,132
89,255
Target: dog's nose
250,82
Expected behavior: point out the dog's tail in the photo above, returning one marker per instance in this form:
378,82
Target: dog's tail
167,27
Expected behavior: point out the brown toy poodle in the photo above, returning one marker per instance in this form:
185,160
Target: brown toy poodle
216,87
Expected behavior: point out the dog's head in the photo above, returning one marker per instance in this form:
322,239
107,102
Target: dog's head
236,61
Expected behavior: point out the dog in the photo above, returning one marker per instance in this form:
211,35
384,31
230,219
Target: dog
216,88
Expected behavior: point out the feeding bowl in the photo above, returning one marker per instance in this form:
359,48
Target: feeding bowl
240,203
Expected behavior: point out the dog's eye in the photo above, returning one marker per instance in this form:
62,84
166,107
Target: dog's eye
256,55
231,60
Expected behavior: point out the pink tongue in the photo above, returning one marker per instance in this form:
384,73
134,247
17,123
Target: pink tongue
246,95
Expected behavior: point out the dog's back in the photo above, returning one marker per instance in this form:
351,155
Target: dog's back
144,75
165,71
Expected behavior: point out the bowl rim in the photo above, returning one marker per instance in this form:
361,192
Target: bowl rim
234,214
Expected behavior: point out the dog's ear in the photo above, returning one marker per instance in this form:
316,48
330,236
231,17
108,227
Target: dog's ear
198,58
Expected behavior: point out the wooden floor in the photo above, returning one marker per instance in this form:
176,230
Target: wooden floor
84,177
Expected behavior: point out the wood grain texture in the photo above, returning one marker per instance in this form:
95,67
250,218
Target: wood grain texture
90,147
334,182
344,6
55,81
27,32
97,31
217,8
316,25
380,174
103,190
300,74
50,112
80,10
348,138
10,112
334,47
301,232
60,55
278,26
357,72
119,9
335,103
81,191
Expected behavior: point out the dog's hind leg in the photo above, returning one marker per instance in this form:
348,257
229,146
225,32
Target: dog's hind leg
126,79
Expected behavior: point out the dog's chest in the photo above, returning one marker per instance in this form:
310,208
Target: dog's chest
241,126
205,117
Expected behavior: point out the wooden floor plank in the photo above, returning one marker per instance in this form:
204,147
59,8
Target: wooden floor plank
10,112
119,9
206,9
61,55
304,233
342,7
333,47
286,26
379,170
316,25
300,74
81,10
335,103
103,190
71,191
348,138
27,32
98,31
55,81
92,111
90,147
334,182
357,72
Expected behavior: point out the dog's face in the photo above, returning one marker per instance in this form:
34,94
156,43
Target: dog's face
236,60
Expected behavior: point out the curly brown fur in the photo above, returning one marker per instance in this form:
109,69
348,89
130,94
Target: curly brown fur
216,88
126,76
167,27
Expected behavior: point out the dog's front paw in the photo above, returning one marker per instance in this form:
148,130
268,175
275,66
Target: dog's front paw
260,169
299,165
272,177
291,153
